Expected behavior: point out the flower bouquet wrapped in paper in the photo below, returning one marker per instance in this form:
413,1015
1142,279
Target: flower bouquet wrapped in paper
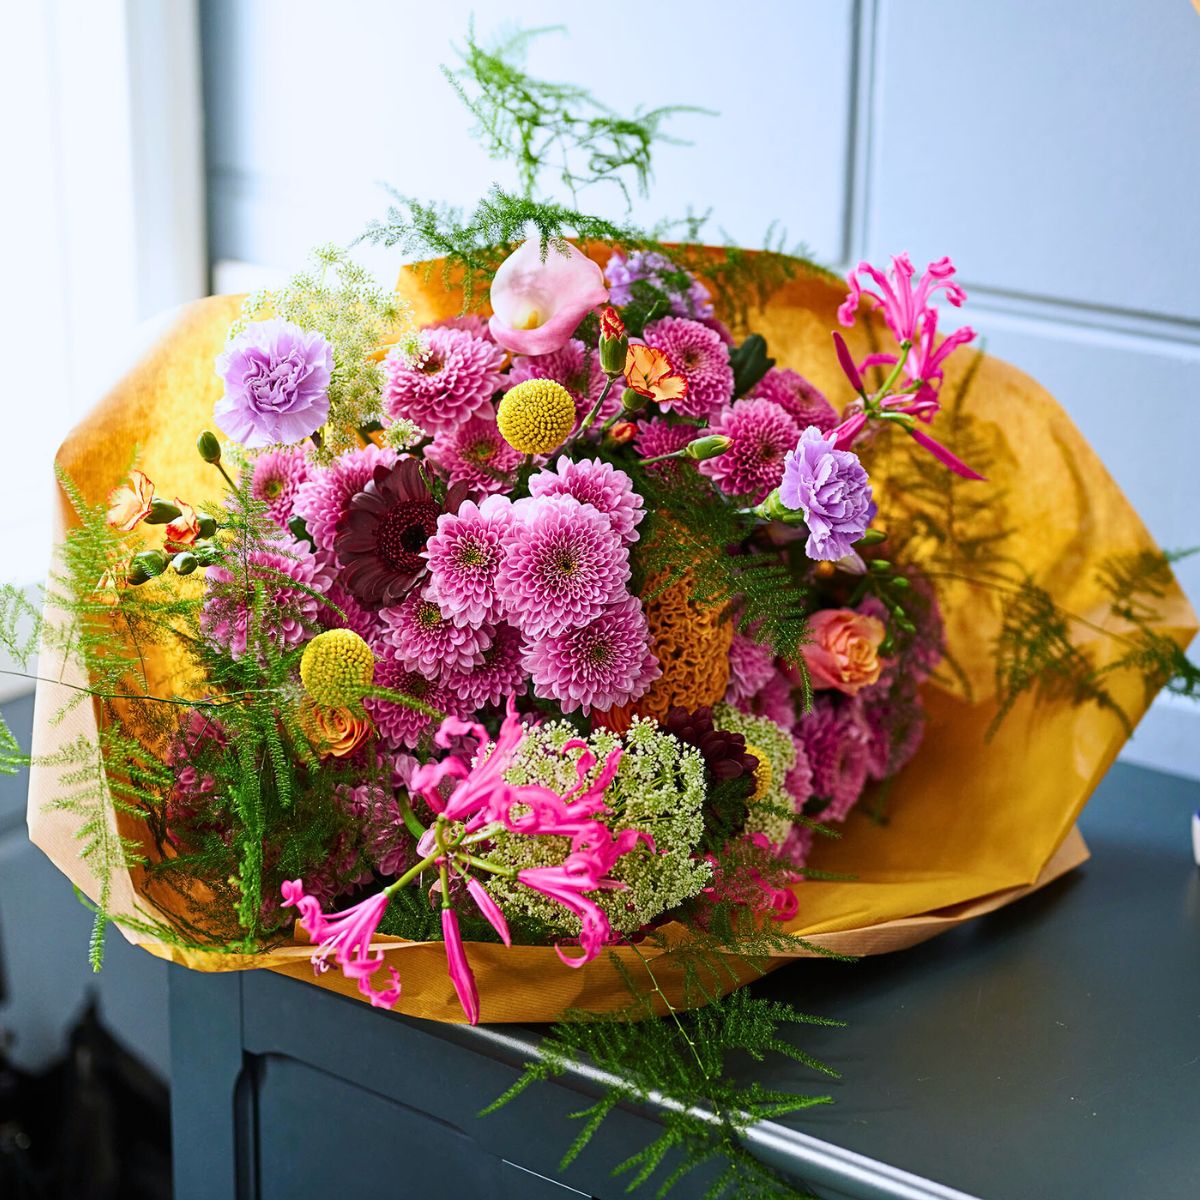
580,626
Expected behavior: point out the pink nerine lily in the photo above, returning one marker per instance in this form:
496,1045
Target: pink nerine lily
459,969
538,302
903,304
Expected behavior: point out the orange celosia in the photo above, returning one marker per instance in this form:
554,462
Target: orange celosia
334,732
691,641
130,503
184,530
650,373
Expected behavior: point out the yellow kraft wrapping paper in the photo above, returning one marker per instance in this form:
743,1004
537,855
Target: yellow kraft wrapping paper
973,824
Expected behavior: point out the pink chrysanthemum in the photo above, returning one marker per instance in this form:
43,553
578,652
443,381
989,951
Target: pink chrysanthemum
599,484
773,700
362,621
604,663
700,355
660,437
324,498
563,564
471,323
275,479
803,402
457,375
799,781
226,614
429,643
476,454
464,557
751,664
498,676
576,367
837,743
762,434
398,725
390,846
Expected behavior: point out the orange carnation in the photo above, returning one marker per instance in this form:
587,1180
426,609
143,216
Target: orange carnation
130,503
650,373
334,732
184,530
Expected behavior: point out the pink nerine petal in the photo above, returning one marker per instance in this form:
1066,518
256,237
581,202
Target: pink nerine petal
490,909
943,455
459,969
538,304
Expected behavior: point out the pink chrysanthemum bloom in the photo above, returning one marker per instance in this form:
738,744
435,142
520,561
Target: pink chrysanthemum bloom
751,664
398,725
563,564
275,479
762,434
837,743
660,437
799,781
390,846
576,367
468,322
500,674
455,377
801,400
773,700
464,557
700,355
324,498
362,621
226,614
605,663
429,643
599,484
476,454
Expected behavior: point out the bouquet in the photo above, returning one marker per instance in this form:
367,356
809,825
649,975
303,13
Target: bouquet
581,624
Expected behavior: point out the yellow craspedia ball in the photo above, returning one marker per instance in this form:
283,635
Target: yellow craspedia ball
337,666
536,416
762,773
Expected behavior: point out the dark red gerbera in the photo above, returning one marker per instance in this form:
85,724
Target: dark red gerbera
381,539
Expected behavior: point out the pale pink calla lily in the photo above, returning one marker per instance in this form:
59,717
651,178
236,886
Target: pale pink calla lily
537,302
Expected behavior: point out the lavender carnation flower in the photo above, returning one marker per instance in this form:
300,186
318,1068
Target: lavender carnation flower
599,484
832,490
803,402
761,435
700,355
464,558
563,564
621,273
476,454
276,384
324,498
425,641
275,479
601,664
456,377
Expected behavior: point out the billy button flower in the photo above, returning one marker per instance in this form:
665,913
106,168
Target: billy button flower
536,416
337,668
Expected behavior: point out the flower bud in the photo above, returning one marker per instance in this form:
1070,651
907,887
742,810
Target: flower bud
614,344
209,447
162,512
146,565
632,402
899,582
851,564
872,538
205,552
185,563
880,565
621,434
208,525
712,445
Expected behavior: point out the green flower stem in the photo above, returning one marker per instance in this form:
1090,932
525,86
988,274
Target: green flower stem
232,486
483,864
905,347
660,458
444,877
586,423
410,818
412,873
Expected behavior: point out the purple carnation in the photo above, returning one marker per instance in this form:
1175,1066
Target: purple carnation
425,641
225,617
700,355
476,454
456,376
275,478
576,367
837,743
751,664
499,675
599,484
832,490
464,558
563,564
621,273
276,384
761,436
598,665
801,400
324,498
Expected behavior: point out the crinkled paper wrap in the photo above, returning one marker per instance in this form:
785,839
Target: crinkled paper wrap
973,825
